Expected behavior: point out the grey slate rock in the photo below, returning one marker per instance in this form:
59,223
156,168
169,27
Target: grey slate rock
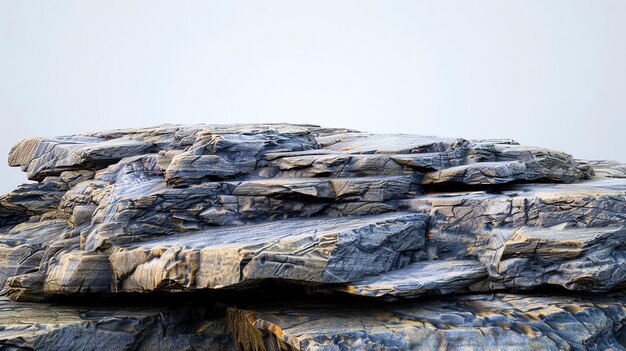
346,216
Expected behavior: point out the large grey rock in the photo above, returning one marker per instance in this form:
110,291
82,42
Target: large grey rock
343,215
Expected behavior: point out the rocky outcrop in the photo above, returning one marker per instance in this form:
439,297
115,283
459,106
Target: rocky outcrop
421,231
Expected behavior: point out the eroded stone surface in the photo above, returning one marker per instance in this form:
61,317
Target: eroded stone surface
313,251
56,327
612,169
420,278
473,322
591,259
332,211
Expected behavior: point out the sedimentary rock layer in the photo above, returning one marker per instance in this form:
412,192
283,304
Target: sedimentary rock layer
314,251
475,322
432,223
420,278
57,327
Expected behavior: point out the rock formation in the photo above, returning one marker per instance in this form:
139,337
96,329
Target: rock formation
298,237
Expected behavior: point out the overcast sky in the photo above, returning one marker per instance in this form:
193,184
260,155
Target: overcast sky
546,73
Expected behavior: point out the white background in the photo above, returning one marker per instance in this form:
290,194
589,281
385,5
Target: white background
546,73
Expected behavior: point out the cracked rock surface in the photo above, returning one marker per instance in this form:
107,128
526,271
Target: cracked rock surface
313,238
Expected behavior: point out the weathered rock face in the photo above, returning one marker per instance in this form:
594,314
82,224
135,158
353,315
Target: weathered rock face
350,217
316,251
470,322
45,326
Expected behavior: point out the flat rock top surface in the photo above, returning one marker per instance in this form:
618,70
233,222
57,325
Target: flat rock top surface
272,231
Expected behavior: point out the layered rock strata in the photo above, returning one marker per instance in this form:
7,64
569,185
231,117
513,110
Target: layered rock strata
64,326
468,322
447,242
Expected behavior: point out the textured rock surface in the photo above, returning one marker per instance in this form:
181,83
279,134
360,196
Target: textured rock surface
611,169
473,322
433,224
29,326
420,278
316,251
